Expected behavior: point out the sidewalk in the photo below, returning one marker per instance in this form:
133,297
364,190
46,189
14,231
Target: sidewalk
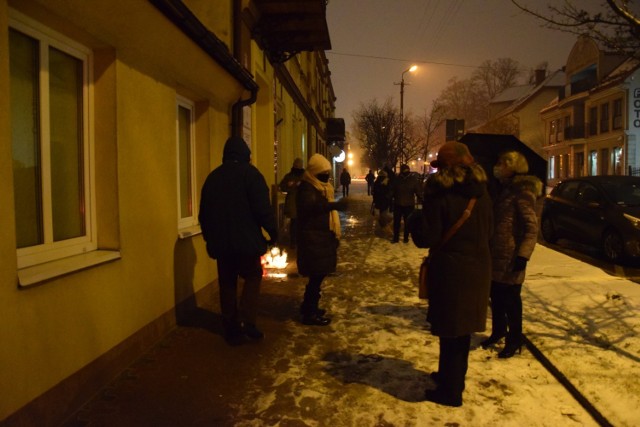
371,365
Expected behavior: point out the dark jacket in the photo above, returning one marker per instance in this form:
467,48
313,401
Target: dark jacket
234,206
289,185
317,244
406,190
370,178
516,227
460,271
345,178
382,192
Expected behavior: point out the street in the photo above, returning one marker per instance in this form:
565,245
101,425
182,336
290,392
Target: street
370,367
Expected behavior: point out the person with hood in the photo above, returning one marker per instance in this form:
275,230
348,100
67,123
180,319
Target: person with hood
382,197
318,235
460,269
289,185
345,181
370,178
406,190
515,237
234,211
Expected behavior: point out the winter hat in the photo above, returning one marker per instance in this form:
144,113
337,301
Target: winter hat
318,164
297,163
236,150
453,154
404,168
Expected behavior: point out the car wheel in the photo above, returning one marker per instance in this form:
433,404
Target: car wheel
548,230
612,246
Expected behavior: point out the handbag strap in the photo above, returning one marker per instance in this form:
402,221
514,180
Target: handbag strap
465,215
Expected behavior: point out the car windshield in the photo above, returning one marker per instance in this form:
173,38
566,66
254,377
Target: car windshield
625,194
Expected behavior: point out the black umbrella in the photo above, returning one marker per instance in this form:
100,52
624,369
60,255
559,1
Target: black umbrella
486,148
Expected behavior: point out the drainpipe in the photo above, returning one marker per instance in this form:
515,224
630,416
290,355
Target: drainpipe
178,13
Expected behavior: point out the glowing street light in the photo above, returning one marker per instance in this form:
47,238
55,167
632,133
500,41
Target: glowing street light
408,70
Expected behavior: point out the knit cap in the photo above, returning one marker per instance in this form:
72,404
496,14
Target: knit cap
318,164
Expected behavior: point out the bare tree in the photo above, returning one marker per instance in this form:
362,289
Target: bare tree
496,76
464,99
378,129
613,24
430,123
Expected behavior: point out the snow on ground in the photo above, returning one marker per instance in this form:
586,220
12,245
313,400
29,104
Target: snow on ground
370,367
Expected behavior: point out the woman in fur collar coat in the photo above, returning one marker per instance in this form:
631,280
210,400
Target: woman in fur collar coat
515,236
460,269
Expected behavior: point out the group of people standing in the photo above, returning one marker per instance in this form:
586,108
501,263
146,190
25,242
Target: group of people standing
483,261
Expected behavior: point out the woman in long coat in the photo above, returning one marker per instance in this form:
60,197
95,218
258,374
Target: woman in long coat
460,270
515,237
318,234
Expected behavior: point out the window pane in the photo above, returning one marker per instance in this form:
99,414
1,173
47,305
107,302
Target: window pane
184,144
67,184
25,136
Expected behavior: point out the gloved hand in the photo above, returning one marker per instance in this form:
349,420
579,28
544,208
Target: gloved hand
520,263
339,205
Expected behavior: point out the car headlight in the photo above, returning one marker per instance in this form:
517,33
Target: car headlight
635,221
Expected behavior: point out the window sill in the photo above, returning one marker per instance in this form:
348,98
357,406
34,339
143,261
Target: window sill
37,274
187,232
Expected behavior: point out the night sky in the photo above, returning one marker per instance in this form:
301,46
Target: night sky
374,41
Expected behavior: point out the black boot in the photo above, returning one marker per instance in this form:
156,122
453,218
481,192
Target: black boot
315,319
493,339
510,350
439,396
233,333
252,331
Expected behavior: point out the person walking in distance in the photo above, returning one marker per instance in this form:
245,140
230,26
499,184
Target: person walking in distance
382,199
289,185
459,207
234,211
318,236
406,190
345,182
513,242
370,178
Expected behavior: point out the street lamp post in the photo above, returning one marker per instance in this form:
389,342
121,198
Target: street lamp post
408,70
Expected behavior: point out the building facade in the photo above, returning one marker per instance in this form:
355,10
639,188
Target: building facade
592,127
115,115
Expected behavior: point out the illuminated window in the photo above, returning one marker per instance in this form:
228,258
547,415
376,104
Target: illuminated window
185,137
51,144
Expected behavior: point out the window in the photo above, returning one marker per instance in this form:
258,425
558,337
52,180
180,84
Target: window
604,118
551,173
553,129
185,137
593,121
617,161
593,163
51,143
617,114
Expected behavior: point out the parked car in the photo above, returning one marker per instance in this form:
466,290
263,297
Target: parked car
596,210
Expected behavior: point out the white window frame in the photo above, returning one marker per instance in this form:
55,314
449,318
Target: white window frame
191,221
50,250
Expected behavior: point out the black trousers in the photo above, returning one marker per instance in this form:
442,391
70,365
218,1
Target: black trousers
452,365
312,295
250,269
369,188
345,190
506,311
401,213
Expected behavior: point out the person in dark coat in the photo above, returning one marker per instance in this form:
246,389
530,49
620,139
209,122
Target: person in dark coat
460,270
318,236
515,237
289,185
370,178
382,198
406,191
234,209
345,182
